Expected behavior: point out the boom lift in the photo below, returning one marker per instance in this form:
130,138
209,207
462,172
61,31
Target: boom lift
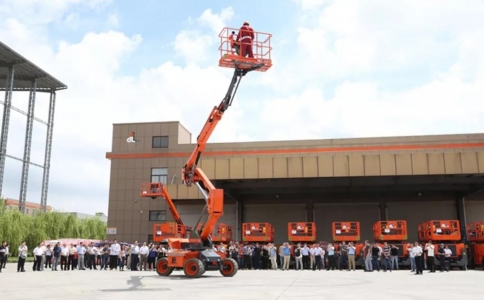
196,255
446,232
475,236
394,232
257,233
349,232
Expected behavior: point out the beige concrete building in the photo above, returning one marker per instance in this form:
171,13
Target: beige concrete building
416,178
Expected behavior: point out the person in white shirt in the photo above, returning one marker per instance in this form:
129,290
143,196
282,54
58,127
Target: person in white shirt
113,255
81,251
5,258
143,253
418,252
430,256
305,256
412,258
38,252
318,254
134,256
64,256
22,255
44,249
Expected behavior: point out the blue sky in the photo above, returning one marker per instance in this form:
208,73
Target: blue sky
342,69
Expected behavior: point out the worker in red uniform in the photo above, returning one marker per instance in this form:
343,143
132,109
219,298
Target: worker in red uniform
233,44
245,38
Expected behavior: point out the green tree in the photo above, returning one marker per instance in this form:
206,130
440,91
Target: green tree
16,227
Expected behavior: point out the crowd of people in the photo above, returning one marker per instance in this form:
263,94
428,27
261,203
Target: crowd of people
136,257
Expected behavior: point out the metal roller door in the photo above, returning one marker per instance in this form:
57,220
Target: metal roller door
278,215
190,214
474,211
417,212
326,214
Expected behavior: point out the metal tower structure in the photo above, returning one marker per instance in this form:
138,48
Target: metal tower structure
17,74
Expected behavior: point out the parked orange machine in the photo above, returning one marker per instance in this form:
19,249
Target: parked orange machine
448,233
475,236
222,233
394,232
257,233
301,232
196,255
349,232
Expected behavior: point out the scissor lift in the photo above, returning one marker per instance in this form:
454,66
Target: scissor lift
301,232
349,231
222,233
257,233
445,232
475,236
394,232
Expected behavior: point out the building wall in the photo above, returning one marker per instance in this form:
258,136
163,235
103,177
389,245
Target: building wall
132,164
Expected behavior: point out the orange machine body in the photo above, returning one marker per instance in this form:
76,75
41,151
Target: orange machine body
222,233
257,233
298,232
346,231
475,236
394,232
447,232
163,231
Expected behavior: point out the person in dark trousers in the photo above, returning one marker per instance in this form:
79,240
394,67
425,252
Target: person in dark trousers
3,249
105,257
430,257
57,252
257,256
37,257
419,262
375,255
48,257
441,254
265,258
22,255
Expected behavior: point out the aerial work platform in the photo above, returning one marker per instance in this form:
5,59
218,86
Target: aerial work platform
261,47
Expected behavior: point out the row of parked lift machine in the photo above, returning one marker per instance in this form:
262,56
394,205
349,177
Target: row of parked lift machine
446,232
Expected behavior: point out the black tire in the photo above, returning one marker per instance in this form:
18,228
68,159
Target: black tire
162,267
229,267
193,268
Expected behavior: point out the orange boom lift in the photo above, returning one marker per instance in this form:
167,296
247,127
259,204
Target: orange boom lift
475,236
195,255
349,232
394,232
446,232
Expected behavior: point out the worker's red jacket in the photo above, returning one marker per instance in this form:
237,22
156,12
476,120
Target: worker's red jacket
245,35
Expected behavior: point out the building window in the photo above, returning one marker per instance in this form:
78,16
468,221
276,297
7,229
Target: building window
157,215
159,175
160,142
150,238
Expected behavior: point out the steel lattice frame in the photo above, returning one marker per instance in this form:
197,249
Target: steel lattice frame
22,75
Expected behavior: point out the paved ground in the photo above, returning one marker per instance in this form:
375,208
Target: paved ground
267,285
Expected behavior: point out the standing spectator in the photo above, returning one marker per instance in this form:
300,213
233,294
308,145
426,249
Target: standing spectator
38,252
105,256
122,258
298,256
430,256
394,257
273,256
152,258
2,254
81,251
143,253
57,252
287,255
7,246
417,249
367,257
44,249
331,257
265,258
22,255
113,255
48,257
411,253
71,262
64,256
134,256
351,257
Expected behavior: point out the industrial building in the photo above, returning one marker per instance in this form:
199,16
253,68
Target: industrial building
415,178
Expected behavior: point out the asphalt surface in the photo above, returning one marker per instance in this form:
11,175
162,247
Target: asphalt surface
267,285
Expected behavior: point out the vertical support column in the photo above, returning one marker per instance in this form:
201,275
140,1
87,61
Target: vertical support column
383,211
239,217
462,217
310,211
5,123
27,147
48,150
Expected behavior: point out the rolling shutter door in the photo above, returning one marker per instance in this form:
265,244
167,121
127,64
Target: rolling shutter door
326,214
278,215
190,214
417,212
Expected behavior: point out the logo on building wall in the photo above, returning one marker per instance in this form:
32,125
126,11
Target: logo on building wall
131,138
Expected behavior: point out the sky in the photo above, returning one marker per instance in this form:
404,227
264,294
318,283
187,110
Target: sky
342,69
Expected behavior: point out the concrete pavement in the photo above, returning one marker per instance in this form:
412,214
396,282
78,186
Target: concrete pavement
251,285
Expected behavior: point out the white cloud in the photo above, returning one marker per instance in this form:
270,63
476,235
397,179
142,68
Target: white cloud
338,80
113,20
